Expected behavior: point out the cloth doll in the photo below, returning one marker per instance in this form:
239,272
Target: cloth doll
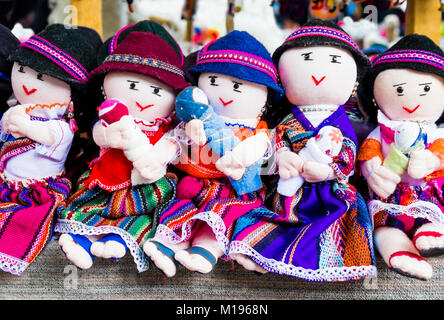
49,76
402,159
111,213
192,103
323,231
237,75
322,148
8,44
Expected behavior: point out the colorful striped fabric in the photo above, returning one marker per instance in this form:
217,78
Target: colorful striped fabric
129,212
213,201
26,220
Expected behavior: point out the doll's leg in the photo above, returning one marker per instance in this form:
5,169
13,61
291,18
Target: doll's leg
110,246
429,239
400,254
204,252
247,263
162,255
76,249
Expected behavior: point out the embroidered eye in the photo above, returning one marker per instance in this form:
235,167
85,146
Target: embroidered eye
334,58
236,86
40,76
156,90
133,85
307,56
213,80
21,69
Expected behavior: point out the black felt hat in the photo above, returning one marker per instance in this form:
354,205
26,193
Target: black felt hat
60,51
318,32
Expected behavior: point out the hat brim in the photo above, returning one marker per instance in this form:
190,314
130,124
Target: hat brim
241,72
36,61
172,80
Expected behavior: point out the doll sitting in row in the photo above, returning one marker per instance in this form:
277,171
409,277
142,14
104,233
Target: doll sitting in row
405,171
49,80
118,200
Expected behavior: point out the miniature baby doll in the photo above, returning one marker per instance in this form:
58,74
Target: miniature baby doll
237,75
406,200
49,74
8,44
323,231
322,148
112,213
192,103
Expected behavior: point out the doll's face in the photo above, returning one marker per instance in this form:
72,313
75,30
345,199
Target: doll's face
404,94
32,87
146,98
233,97
317,75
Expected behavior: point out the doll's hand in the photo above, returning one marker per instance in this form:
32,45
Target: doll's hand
422,163
149,166
16,122
290,164
230,166
315,171
380,179
118,134
195,131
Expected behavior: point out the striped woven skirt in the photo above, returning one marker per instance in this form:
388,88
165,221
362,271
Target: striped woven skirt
322,233
132,213
409,207
204,200
27,213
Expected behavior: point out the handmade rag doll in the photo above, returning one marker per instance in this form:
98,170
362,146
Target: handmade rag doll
402,159
237,75
112,212
192,103
49,76
323,231
8,44
322,148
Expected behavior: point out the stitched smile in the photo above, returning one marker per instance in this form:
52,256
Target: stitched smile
28,92
225,103
411,110
316,81
143,108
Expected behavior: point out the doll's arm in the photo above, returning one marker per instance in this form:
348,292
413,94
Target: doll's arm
380,179
425,162
62,139
117,135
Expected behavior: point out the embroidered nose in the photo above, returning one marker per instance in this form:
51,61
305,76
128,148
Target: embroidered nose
225,103
411,110
316,81
28,92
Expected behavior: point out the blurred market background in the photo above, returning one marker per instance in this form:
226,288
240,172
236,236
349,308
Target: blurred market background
374,24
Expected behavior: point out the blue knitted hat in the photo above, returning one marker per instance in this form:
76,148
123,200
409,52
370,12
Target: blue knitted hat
240,55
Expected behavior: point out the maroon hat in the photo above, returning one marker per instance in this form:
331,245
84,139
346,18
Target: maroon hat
147,54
